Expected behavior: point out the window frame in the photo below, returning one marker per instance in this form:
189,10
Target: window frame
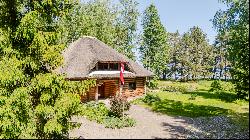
132,85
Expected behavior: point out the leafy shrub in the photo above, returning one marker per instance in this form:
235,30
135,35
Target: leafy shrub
215,86
150,99
118,105
193,96
152,84
228,86
114,122
240,102
95,111
137,101
178,87
101,114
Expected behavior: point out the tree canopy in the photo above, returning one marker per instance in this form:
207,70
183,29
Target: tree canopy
233,25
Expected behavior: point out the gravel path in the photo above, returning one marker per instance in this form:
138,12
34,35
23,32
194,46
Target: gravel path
148,125
151,125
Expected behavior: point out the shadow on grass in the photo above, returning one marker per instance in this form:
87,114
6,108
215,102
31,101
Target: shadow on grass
241,119
178,108
223,96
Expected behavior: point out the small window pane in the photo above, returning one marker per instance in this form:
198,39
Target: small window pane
103,66
113,66
116,66
132,86
126,68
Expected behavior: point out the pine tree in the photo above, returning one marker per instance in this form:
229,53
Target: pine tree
154,48
185,57
191,54
175,47
198,48
221,53
34,101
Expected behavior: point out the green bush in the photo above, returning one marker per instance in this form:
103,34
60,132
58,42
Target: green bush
114,122
137,101
118,105
95,111
150,99
193,97
215,86
101,114
153,84
178,87
228,86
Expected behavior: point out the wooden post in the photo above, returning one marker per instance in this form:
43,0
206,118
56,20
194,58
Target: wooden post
145,86
96,93
122,110
121,86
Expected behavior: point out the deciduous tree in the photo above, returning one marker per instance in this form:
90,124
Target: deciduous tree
234,23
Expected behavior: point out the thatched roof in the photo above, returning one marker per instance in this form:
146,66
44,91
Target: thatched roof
82,55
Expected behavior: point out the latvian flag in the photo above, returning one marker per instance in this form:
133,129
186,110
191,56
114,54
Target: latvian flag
121,73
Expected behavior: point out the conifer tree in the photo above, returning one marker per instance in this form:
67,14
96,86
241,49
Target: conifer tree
154,48
35,102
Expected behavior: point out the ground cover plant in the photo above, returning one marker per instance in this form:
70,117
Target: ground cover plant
111,118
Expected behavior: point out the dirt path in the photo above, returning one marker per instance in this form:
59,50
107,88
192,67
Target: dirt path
149,125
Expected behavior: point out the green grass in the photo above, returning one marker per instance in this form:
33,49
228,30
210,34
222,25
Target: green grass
201,102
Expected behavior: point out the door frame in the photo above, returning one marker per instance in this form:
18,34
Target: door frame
101,91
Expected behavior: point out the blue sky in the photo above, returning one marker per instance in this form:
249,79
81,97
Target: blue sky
183,14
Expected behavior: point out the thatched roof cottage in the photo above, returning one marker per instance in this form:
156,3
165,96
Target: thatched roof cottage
89,58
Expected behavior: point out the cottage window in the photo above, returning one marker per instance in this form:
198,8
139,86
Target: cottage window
132,86
113,66
103,66
126,68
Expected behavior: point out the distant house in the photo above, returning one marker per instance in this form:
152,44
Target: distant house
89,58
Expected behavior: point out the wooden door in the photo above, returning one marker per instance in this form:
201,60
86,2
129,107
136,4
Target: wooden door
101,91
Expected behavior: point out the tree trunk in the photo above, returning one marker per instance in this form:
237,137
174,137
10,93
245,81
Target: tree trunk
215,72
164,75
221,72
225,65
175,75
175,70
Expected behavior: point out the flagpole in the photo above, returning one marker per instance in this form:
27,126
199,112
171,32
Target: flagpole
122,83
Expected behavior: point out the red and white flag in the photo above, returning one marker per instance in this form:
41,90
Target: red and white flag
121,73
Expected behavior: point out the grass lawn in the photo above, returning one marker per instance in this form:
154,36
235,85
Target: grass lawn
200,102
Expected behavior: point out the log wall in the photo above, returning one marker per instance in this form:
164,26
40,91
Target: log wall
140,82
111,87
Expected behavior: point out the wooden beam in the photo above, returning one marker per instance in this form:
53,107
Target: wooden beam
145,87
96,93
